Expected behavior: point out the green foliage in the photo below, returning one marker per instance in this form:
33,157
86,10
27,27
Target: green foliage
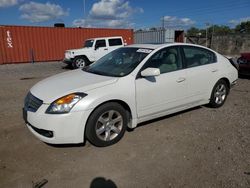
243,27
193,31
220,30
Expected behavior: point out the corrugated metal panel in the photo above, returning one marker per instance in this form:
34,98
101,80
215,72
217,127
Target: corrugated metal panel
169,35
142,37
23,43
157,36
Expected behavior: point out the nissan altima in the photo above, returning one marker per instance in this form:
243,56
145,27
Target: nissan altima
128,86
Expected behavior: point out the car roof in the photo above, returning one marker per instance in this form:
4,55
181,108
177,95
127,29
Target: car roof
156,46
104,38
150,46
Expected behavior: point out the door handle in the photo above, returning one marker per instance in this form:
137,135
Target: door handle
180,80
214,70
105,48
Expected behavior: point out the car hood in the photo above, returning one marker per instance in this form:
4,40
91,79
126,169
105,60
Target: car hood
80,50
65,83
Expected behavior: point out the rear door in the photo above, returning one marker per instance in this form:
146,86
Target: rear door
115,43
202,72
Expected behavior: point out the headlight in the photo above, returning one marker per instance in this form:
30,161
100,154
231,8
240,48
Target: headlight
65,104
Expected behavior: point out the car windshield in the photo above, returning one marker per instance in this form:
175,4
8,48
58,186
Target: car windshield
119,63
88,43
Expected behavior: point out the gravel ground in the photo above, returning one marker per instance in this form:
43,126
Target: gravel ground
202,147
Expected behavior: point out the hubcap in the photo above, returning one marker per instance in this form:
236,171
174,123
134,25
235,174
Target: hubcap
109,125
80,63
220,93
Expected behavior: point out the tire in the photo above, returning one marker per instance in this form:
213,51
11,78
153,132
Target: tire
106,125
219,94
80,62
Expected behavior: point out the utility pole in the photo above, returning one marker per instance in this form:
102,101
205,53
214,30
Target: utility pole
163,23
84,9
207,24
212,38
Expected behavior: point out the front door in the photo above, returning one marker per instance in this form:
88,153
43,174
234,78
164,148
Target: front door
101,49
164,92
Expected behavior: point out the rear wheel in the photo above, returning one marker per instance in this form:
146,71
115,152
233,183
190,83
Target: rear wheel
107,124
80,62
219,94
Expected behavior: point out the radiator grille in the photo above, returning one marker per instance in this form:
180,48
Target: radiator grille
32,103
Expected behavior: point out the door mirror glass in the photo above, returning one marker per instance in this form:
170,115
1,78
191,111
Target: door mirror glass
150,72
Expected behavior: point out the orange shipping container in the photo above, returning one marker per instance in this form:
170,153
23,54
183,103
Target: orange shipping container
26,43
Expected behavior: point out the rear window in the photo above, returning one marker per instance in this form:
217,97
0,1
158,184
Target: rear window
196,56
115,42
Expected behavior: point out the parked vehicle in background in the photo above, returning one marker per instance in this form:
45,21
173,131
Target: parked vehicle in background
92,50
244,64
128,86
233,61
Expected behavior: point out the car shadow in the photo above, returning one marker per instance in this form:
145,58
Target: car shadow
67,145
246,77
167,116
101,182
67,67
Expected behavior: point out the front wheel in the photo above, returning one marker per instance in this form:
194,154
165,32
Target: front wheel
219,94
80,62
107,124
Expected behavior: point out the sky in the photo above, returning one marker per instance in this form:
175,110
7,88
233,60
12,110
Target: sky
136,14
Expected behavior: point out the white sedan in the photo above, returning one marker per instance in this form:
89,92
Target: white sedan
128,86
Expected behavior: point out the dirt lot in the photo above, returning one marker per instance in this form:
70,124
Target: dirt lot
202,147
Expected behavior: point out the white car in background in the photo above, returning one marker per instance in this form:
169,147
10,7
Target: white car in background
128,86
93,50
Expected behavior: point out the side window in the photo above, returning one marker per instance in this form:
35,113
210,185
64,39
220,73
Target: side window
196,56
115,42
100,43
167,60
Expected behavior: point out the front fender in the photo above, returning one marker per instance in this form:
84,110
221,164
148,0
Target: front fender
118,91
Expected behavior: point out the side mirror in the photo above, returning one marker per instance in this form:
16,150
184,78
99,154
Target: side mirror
150,72
96,47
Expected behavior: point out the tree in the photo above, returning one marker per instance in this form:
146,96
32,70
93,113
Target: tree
243,27
153,29
219,30
193,31
212,30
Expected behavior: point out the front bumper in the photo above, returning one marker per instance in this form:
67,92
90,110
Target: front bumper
57,128
68,61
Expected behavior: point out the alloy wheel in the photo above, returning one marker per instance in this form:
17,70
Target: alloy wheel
109,125
220,94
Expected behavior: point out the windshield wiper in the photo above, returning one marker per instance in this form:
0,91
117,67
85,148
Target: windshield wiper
100,73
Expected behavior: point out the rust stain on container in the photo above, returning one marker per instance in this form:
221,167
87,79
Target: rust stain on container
26,43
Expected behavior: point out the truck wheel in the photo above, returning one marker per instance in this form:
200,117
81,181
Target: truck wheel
80,62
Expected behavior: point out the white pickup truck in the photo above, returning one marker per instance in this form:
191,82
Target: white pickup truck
93,50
